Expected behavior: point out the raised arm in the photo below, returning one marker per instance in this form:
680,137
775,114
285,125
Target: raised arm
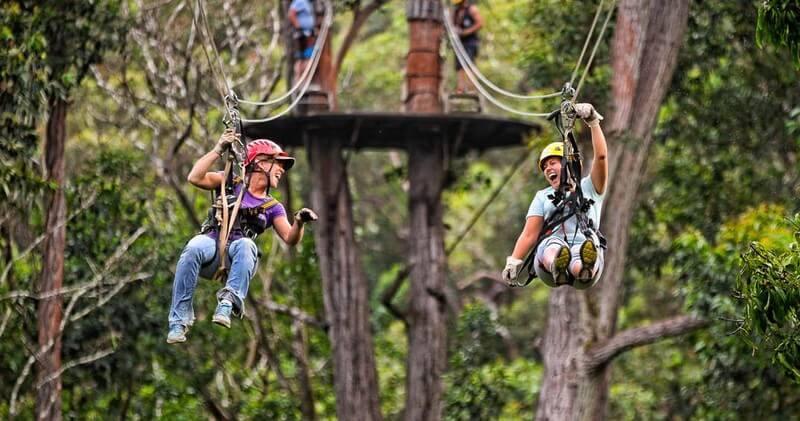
599,171
200,176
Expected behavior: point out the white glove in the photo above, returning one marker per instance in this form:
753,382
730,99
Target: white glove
589,115
512,268
225,141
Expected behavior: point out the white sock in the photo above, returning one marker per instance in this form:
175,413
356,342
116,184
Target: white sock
228,302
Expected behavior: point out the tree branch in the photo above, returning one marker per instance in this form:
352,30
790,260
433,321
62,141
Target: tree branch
360,16
391,291
601,354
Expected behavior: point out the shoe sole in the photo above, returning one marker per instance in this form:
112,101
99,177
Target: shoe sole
177,340
222,322
588,258
561,263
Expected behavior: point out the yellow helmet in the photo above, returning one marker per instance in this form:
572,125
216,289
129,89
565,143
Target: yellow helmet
457,2
553,149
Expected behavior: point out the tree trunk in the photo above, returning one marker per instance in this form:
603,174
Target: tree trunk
344,284
645,48
326,74
423,64
48,320
427,337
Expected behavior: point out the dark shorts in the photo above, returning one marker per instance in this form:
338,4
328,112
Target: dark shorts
304,45
304,54
472,51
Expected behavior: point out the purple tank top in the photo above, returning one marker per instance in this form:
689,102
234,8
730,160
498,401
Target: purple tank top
250,201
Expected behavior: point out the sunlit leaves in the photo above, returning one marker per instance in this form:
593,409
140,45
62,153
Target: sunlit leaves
769,287
777,24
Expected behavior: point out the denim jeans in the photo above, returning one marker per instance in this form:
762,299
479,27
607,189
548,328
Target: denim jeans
200,258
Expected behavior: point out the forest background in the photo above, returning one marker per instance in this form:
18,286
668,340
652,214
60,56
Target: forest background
713,230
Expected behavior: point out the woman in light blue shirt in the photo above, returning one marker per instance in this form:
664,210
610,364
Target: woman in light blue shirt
565,254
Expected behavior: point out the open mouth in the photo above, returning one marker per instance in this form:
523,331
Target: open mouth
552,176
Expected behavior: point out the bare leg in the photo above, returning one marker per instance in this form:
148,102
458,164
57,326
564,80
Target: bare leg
461,79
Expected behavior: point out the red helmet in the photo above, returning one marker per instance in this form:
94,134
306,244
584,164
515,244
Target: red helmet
268,147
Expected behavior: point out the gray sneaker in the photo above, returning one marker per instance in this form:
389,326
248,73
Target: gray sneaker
222,316
177,333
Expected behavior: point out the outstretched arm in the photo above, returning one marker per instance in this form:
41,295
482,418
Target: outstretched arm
292,234
527,238
526,241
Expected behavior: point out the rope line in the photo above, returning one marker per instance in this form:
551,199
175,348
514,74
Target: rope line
214,74
586,43
466,62
454,41
521,160
594,50
317,52
474,74
313,66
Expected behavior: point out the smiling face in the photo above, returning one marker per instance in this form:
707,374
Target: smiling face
552,171
267,170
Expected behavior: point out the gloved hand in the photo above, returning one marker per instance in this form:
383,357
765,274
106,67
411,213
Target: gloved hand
305,215
589,115
511,271
225,141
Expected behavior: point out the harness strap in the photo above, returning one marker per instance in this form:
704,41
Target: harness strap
227,225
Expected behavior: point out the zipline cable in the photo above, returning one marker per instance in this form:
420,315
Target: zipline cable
466,63
318,45
586,43
459,49
594,50
521,160
224,88
478,86
464,60
307,82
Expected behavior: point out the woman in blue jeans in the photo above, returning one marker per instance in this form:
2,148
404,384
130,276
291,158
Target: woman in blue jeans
265,164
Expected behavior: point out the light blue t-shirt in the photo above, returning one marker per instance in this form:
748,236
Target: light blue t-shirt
542,206
305,14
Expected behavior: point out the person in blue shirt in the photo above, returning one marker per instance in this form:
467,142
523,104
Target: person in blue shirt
301,16
566,252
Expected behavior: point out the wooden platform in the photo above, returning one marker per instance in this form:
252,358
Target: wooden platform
467,131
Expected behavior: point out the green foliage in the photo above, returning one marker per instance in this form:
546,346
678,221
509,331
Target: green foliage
777,25
769,287
480,385
730,368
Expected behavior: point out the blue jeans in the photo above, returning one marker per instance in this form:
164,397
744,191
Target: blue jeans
200,258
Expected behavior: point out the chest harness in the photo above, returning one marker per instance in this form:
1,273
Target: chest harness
247,220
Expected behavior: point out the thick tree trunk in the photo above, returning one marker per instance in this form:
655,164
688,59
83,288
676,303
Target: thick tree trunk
344,284
427,337
424,63
645,48
48,396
